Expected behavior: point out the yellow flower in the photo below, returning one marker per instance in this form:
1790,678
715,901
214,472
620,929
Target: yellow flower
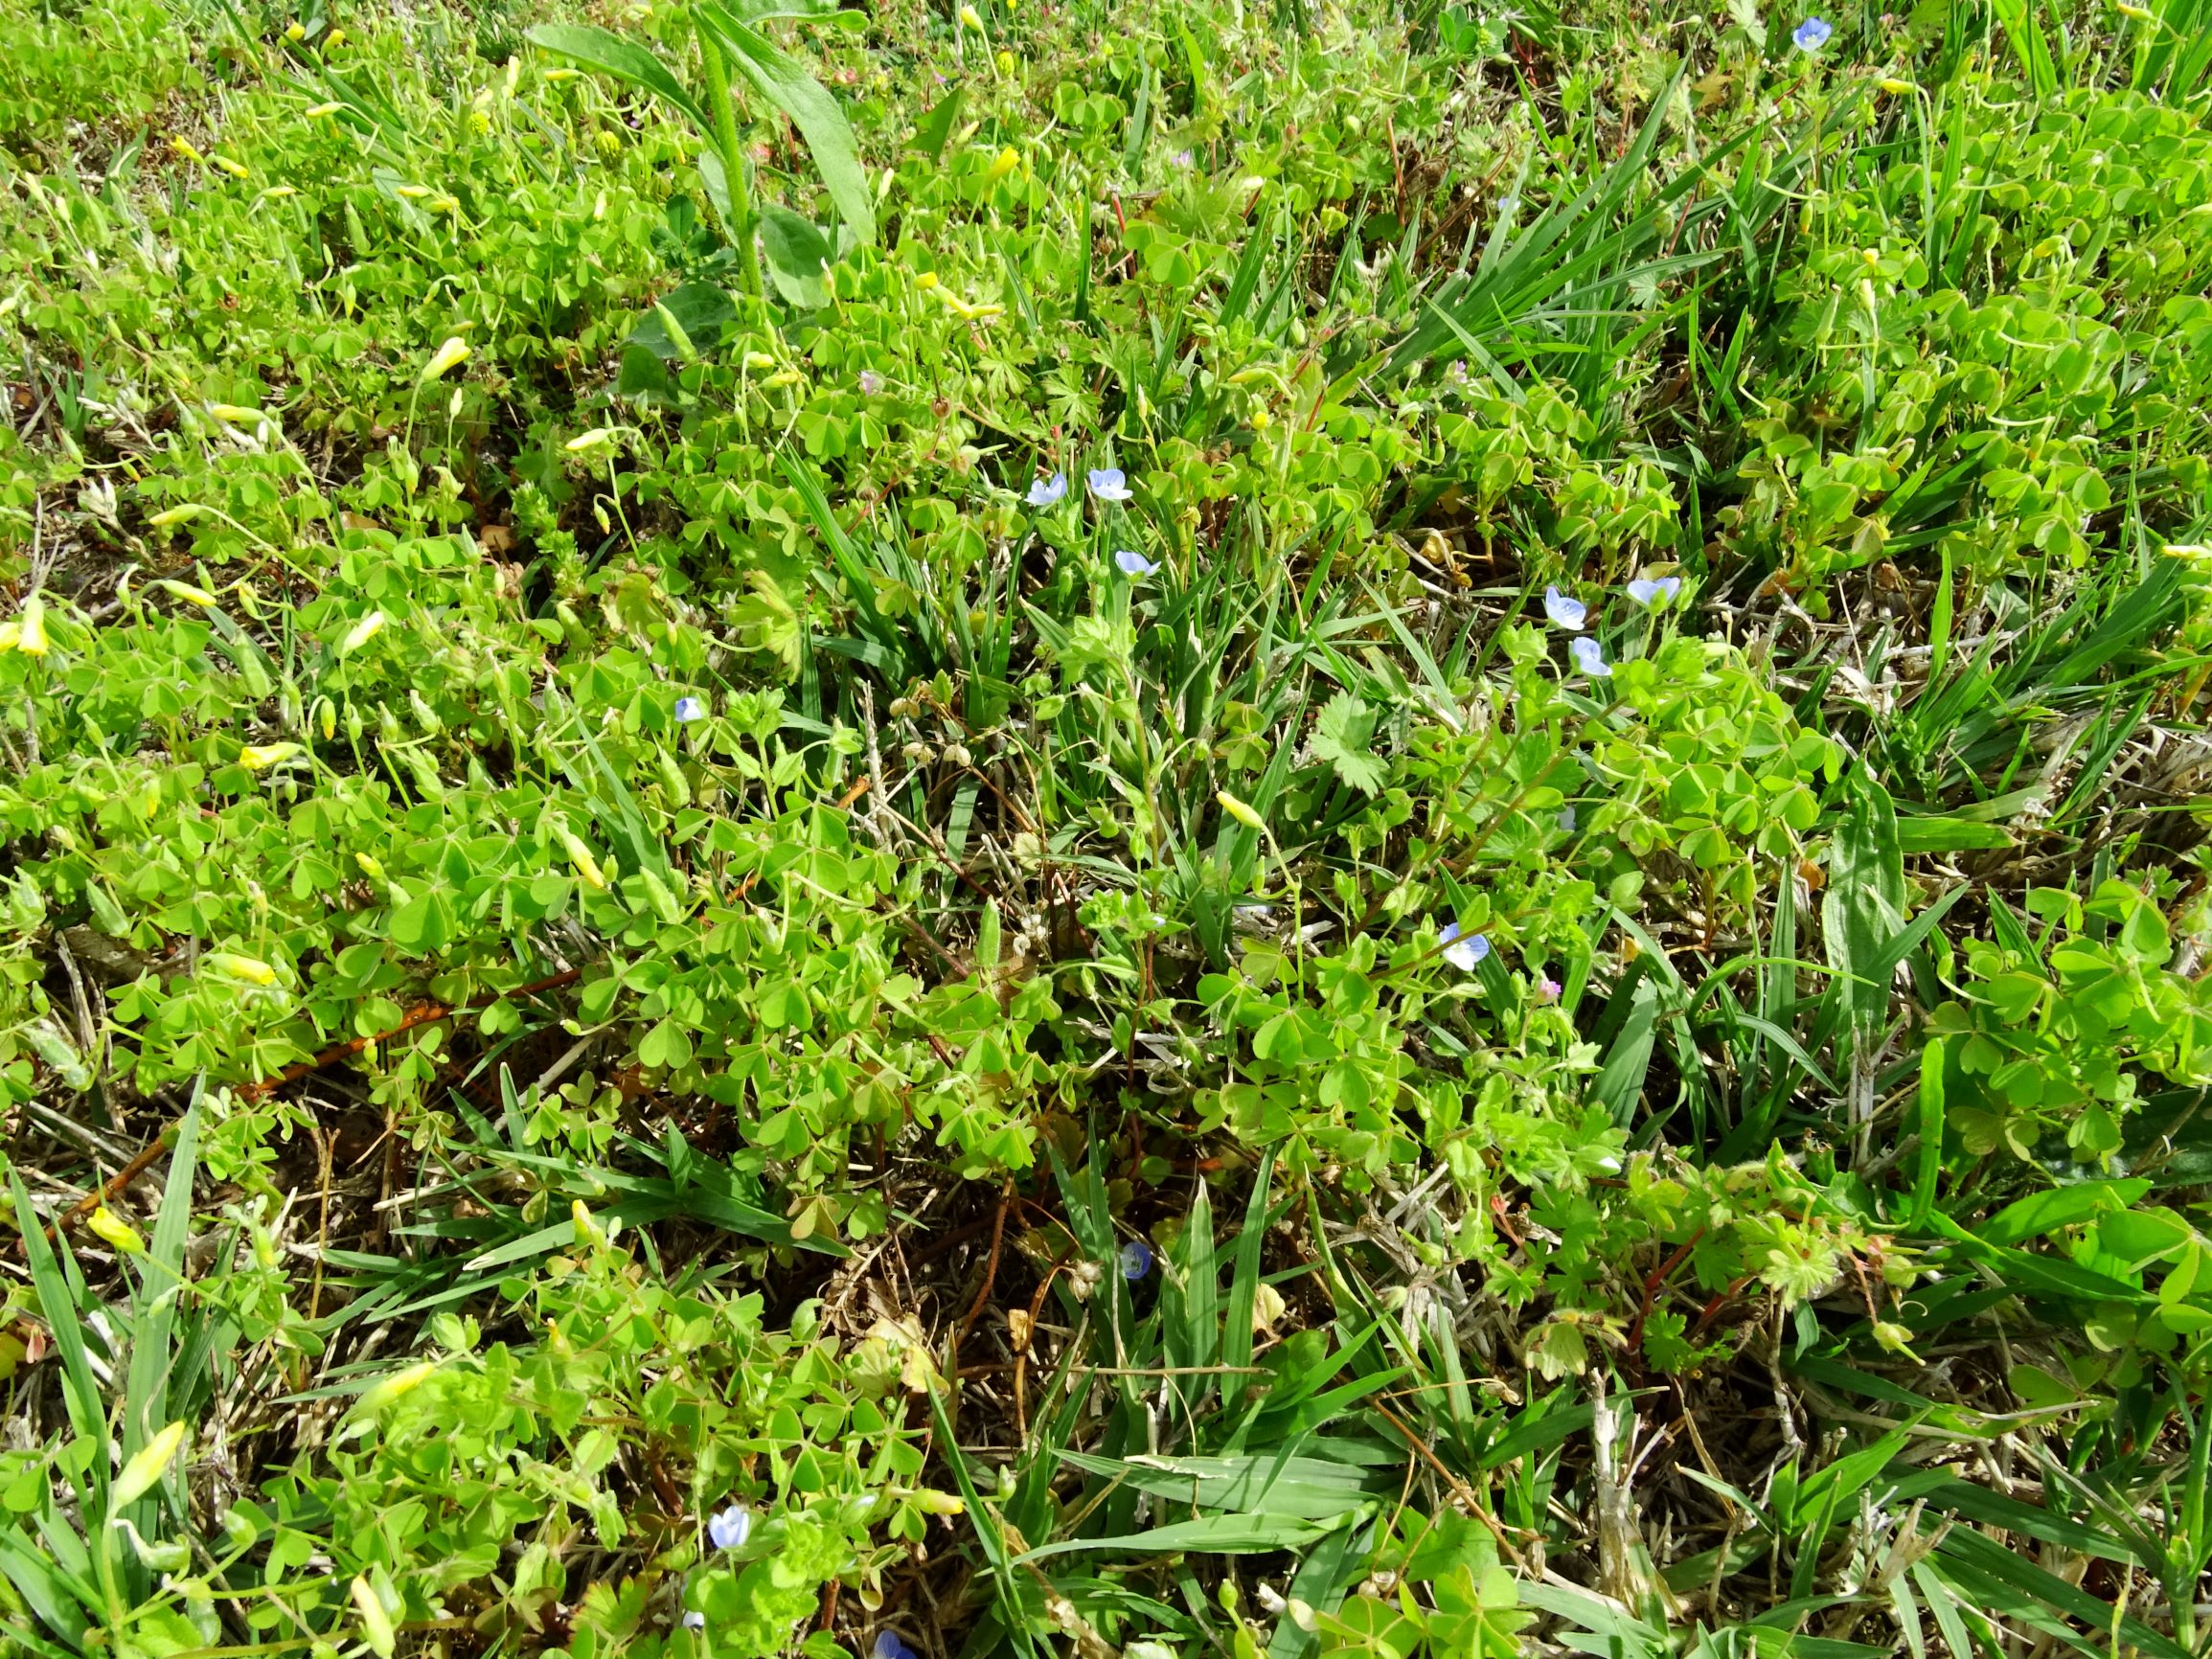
190,594
224,162
1005,162
579,855
336,39
454,352
185,149
261,757
592,440
1006,63
969,19
926,280
295,32
1895,88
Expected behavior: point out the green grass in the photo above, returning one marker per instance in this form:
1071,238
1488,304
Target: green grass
614,906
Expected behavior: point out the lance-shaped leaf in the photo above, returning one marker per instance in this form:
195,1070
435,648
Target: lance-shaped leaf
783,82
624,60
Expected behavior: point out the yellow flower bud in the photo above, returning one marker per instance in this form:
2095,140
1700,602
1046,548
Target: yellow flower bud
592,440
400,1382
1895,88
1005,162
118,1233
969,20
146,1468
295,32
362,633
336,39
1006,63
1237,811
190,594
243,968
261,757
454,352
376,1622
177,515
31,639
185,149
236,169
318,111
926,280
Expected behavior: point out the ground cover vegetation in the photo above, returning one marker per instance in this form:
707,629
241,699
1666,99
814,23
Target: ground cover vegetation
1207,827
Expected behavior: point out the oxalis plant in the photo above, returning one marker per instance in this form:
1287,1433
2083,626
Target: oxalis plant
729,37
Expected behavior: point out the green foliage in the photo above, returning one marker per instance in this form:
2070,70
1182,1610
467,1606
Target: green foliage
1374,832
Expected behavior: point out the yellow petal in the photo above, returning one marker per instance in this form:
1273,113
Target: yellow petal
454,351
146,1467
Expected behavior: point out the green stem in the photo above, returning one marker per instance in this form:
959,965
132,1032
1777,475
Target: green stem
725,110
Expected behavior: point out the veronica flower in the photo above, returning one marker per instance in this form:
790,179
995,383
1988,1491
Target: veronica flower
690,709
1812,34
1109,484
731,1528
1547,989
871,383
1137,1260
1589,659
1047,492
1181,158
1133,563
1566,820
1564,612
1648,591
889,1646
1463,950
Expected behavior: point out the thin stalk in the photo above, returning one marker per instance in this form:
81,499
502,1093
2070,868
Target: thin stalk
725,110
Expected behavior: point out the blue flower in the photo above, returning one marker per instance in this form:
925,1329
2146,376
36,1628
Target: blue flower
1589,659
694,1621
1566,820
1463,950
1047,492
730,1529
1812,34
690,709
1137,1260
1108,484
1567,613
1650,590
889,1646
1133,563
871,383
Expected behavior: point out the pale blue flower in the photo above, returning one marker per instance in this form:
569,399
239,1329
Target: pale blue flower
1133,563
731,1528
1566,613
1108,484
871,383
889,1646
1047,492
1547,989
1566,820
690,709
1137,1260
1650,590
694,1621
1812,34
1463,950
1589,659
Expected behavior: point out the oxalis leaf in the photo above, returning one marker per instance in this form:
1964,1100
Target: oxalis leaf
783,82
